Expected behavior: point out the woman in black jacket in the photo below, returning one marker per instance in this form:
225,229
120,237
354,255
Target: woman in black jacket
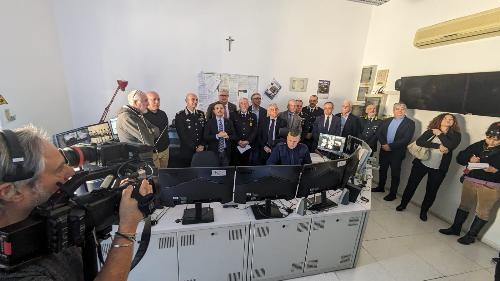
481,185
442,137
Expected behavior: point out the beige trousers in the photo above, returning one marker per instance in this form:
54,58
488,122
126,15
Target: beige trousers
486,197
160,159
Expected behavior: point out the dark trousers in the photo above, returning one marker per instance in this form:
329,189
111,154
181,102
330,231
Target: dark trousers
392,160
185,157
434,179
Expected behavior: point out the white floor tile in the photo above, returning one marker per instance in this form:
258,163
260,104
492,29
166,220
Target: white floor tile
480,275
374,231
409,267
477,252
370,272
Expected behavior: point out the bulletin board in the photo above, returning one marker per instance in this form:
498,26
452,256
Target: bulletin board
238,86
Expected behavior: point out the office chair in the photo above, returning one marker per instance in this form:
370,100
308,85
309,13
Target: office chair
205,159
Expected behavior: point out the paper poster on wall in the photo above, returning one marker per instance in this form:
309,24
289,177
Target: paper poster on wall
323,89
209,84
298,84
381,79
272,89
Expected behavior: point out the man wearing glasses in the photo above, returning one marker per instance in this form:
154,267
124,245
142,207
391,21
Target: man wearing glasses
255,108
229,108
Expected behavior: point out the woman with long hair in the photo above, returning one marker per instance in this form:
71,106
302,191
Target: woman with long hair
481,187
441,138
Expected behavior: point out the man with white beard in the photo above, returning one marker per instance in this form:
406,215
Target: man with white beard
131,125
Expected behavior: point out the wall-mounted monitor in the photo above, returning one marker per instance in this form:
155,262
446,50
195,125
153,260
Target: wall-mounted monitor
483,94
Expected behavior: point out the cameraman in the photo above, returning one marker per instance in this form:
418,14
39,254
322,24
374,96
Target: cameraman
18,199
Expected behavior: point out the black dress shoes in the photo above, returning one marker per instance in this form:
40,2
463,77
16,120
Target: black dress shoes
400,208
390,197
423,215
378,189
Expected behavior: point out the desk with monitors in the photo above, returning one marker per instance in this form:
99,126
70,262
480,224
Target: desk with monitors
238,246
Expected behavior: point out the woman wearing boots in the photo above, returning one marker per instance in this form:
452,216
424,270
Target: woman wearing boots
481,185
442,137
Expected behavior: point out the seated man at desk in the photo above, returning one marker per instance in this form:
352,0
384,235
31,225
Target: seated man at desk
290,153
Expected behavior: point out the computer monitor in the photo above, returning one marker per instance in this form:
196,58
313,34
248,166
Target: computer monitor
196,185
351,166
100,133
363,153
319,178
257,183
114,130
72,137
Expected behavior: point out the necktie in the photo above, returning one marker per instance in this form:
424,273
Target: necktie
270,133
225,111
327,124
221,140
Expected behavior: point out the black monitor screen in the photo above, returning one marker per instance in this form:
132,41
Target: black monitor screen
434,92
483,95
322,176
351,167
75,136
258,183
195,185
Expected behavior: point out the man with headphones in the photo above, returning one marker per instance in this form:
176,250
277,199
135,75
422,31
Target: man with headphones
31,169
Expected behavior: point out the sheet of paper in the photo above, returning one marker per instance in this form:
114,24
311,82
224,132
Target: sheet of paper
477,166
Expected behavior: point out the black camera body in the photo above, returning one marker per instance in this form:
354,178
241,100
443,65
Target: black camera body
67,220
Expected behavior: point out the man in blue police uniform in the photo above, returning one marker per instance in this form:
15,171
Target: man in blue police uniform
245,129
290,153
189,124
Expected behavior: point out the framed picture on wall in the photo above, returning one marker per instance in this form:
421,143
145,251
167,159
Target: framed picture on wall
298,84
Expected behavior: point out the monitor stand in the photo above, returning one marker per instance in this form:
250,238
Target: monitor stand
198,215
266,211
323,204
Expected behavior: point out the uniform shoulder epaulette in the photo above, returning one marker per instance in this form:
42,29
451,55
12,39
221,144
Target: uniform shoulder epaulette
180,112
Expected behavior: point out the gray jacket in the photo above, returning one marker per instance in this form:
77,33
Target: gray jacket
296,121
134,128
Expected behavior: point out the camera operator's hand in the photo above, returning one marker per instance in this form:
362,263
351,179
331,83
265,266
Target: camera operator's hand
130,216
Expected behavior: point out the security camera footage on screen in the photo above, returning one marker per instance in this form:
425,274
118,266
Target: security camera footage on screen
331,143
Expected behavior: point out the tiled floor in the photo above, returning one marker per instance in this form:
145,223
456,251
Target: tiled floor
398,246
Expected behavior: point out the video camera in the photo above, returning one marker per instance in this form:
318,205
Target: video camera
67,220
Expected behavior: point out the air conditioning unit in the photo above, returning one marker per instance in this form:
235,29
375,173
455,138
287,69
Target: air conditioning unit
473,27
371,2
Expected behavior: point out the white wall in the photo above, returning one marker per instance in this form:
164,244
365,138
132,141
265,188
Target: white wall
390,45
164,44
31,74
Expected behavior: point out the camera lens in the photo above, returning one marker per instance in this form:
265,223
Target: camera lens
78,155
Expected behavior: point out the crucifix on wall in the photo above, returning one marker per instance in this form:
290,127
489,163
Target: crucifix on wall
229,41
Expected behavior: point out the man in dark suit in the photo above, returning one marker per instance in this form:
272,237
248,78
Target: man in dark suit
309,115
256,109
350,125
269,132
290,153
224,99
394,135
219,133
245,128
189,124
326,124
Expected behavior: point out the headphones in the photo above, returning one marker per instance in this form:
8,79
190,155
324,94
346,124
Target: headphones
17,158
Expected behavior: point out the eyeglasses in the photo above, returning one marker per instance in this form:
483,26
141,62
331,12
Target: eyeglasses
257,98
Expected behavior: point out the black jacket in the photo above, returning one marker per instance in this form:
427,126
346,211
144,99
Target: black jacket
190,127
309,117
491,157
319,128
449,140
352,126
282,155
212,129
245,127
369,131
264,128
210,109
262,112
403,137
